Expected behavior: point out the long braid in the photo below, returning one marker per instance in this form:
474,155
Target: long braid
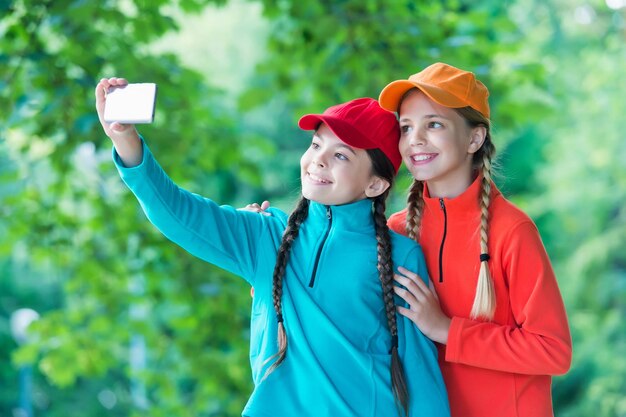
289,236
485,299
415,207
385,271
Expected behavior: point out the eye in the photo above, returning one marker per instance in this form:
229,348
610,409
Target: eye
341,156
315,145
434,125
405,129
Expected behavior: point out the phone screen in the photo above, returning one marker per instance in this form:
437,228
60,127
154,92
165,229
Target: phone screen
132,104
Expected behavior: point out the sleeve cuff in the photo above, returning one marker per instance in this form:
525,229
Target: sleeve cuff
123,170
453,347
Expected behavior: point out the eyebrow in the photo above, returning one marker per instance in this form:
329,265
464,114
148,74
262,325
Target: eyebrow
340,145
428,116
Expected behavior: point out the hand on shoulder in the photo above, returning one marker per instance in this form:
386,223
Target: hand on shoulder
256,208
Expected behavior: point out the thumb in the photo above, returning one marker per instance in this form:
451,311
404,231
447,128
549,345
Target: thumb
119,127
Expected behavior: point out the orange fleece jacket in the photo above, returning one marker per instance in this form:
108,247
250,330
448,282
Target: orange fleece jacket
501,368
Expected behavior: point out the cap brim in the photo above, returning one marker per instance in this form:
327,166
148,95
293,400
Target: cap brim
344,131
391,95
389,98
309,122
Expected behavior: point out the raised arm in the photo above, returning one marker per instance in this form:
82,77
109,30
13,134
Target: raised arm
231,239
124,137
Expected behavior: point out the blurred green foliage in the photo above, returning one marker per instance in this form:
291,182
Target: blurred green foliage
132,325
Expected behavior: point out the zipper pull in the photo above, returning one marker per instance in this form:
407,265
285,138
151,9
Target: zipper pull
443,206
329,214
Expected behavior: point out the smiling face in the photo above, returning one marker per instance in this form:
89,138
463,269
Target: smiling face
437,145
333,173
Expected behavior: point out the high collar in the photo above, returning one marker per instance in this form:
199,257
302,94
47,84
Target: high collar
355,216
466,203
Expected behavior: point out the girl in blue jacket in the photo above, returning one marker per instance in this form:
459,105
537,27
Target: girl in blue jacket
325,337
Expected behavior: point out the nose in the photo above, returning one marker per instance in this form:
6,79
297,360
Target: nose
417,138
320,159
318,162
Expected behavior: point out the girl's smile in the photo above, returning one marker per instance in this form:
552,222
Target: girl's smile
316,180
333,173
422,158
437,145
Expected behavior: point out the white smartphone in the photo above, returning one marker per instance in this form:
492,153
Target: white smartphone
132,104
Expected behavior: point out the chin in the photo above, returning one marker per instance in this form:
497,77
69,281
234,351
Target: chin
420,176
307,194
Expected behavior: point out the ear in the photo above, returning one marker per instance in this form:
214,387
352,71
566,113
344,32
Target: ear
376,187
477,138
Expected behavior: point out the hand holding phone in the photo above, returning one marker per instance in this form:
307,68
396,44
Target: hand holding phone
131,104
124,136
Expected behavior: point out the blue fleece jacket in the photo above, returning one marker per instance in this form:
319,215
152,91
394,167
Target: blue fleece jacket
338,361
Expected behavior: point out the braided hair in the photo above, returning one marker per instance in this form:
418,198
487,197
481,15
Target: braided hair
381,167
485,299
384,169
289,236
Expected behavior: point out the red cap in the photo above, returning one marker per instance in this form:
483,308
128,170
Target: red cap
360,123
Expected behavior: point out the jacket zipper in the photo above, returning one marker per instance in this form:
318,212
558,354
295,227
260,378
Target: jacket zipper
443,239
329,216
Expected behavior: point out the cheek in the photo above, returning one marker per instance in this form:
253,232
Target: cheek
403,146
456,146
304,160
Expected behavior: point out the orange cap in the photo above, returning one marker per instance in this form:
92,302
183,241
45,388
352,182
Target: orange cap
442,83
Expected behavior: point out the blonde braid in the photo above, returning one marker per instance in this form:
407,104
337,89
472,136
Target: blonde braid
485,299
415,207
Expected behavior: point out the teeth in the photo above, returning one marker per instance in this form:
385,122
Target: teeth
418,158
318,179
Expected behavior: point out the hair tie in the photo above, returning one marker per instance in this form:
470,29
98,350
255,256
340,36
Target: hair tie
484,257
394,342
279,318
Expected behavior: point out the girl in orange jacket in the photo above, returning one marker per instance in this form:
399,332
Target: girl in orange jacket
494,307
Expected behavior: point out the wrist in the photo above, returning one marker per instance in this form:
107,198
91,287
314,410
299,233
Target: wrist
129,148
443,331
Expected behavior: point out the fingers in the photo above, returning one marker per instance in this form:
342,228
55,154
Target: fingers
431,287
423,307
409,274
114,82
106,84
100,92
412,282
118,127
255,208
404,311
406,295
102,88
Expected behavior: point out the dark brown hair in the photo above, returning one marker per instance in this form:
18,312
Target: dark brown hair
383,168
